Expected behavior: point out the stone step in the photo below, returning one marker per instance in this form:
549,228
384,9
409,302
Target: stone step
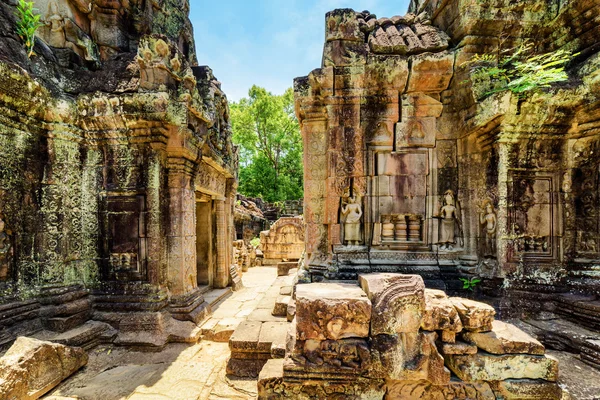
560,334
214,296
87,335
281,306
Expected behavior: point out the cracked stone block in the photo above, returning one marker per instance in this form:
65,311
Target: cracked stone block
475,316
489,367
527,389
440,313
397,302
505,339
458,348
331,311
31,367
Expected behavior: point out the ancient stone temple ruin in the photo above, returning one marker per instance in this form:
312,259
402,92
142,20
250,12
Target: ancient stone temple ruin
412,166
119,213
117,174
390,338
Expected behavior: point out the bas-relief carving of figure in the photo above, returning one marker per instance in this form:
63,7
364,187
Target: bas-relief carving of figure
449,221
488,220
5,251
65,34
352,212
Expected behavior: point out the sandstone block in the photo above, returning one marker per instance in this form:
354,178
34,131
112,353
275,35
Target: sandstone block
397,302
458,348
440,313
505,339
408,356
284,267
331,311
31,367
488,367
475,316
424,390
527,389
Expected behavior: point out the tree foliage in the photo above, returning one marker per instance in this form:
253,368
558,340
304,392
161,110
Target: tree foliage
521,71
267,131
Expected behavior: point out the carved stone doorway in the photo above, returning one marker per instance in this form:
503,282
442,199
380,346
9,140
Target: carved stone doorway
205,239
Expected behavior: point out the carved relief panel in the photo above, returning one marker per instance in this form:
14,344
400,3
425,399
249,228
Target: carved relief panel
532,216
124,238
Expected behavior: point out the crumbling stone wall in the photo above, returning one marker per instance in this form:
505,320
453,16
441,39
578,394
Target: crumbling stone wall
110,137
390,338
410,166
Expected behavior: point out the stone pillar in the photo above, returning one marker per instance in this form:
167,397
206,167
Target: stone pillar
181,234
222,276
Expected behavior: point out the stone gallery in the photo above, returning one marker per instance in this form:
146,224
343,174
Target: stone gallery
449,246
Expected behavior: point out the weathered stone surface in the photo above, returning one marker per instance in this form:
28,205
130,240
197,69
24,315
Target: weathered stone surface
504,339
284,241
331,311
397,302
475,316
408,356
526,389
284,267
439,313
30,368
458,348
423,390
488,367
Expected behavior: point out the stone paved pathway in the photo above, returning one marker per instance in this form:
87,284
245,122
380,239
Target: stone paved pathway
180,371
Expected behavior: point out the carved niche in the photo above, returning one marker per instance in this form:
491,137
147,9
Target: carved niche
400,198
124,238
532,216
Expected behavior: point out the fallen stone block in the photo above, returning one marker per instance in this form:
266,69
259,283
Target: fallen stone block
397,302
408,356
440,313
489,367
31,367
526,389
284,267
424,390
281,306
475,316
504,339
458,348
331,311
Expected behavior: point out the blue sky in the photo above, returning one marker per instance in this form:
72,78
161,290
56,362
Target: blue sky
268,42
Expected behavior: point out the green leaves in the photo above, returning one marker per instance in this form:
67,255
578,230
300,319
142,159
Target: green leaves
470,283
265,127
520,72
27,24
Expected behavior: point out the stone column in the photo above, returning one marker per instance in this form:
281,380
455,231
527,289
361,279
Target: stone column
181,233
222,276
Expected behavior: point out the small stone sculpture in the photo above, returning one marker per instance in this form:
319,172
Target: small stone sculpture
449,217
352,212
487,218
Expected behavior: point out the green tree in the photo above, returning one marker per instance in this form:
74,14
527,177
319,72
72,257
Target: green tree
267,131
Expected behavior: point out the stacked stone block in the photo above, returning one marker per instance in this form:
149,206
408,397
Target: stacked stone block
391,338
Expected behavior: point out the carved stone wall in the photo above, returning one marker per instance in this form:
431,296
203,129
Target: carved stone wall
451,180
108,138
283,241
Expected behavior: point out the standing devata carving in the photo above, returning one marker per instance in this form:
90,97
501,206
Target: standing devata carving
450,221
5,251
351,214
489,222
